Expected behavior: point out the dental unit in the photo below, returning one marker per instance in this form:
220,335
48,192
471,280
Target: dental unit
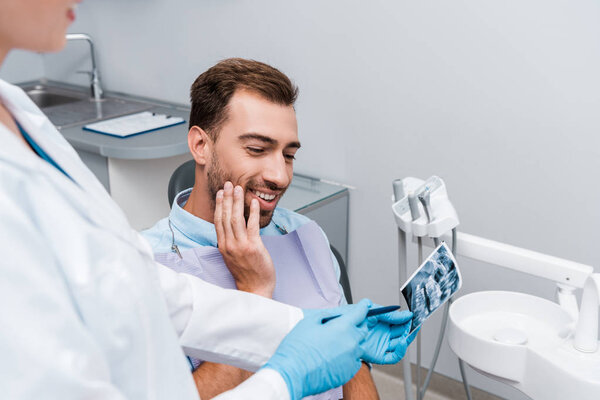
544,349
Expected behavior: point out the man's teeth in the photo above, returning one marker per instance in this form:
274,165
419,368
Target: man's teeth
264,196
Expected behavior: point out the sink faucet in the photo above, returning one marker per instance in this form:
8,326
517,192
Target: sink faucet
586,333
95,83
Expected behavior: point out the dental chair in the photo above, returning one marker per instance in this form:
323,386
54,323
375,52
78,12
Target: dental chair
183,178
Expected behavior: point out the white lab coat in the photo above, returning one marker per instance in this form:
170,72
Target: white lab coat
85,312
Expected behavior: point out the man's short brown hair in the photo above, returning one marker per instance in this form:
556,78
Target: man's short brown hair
212,90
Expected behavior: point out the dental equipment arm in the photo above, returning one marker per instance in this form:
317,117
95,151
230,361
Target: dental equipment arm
522,260
568,275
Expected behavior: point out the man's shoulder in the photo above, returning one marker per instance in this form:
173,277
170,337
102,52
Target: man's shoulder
182,229
158,236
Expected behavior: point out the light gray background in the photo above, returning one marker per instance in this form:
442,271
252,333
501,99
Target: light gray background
500,98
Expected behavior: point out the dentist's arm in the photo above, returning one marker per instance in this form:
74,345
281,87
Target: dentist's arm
314,357
230,327
223,325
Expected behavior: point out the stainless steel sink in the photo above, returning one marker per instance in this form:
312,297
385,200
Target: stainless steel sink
43,98
67,107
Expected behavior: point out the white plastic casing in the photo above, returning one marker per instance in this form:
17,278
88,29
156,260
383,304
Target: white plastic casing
401,208
443,215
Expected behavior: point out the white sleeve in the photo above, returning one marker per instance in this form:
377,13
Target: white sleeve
222,325
46,351
266,384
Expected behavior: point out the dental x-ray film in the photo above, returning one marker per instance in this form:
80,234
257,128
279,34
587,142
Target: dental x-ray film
431,285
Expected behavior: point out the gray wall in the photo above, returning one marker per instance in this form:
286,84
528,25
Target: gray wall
501,99
22,66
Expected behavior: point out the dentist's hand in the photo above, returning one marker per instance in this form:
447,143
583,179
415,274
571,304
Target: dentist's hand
388,339
240,244
315,357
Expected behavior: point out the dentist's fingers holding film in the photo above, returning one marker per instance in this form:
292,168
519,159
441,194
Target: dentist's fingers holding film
392,318
387,340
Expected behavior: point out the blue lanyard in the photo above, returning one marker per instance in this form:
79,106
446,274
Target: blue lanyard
40,152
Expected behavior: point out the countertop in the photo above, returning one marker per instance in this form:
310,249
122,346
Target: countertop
166,142
305,191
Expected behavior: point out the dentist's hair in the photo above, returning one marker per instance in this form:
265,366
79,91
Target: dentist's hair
211,92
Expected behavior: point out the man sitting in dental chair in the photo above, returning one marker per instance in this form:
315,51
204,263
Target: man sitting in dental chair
243,136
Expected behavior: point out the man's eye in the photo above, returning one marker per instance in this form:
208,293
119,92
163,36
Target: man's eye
255,150
290,157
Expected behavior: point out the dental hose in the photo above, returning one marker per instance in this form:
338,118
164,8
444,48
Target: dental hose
438,347
422,390
420,256
461,363
402,260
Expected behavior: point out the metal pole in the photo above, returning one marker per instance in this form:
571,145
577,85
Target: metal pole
402,277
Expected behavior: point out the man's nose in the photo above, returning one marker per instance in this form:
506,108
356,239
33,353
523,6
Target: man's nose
276,172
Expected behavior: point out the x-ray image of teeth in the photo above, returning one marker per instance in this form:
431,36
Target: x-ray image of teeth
431,286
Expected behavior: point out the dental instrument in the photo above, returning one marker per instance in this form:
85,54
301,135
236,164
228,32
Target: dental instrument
372,312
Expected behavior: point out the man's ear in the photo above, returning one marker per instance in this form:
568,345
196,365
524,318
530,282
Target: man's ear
200,145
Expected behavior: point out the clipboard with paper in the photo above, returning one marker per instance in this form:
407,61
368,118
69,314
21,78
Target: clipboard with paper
134,124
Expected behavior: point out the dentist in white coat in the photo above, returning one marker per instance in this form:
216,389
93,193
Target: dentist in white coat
85,312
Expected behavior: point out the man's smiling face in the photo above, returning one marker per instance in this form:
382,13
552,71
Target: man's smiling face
255,148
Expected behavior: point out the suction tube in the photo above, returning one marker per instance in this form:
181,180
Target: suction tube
402,275
461,363
438,346
420,250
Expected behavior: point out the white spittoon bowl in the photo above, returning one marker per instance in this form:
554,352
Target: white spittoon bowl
524,341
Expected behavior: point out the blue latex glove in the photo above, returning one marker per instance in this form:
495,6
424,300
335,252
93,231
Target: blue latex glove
387,340
315,357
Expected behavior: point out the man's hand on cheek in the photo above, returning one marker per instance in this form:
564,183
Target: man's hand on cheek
240,245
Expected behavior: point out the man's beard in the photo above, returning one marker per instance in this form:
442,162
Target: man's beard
216,178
